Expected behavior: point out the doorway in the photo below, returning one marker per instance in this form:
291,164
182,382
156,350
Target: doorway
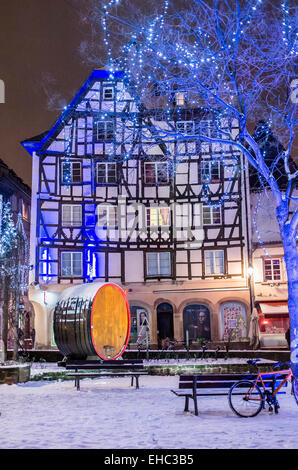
165,322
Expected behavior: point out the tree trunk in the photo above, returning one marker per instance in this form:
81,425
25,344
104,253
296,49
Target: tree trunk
16,325
5,309
291,261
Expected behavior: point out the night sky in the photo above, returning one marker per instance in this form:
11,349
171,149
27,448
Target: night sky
39,58
42,67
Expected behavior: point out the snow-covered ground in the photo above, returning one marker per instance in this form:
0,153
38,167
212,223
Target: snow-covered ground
109,414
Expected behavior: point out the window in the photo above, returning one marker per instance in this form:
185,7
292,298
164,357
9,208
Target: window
207,129
71,264
214,262
158,216
104,131
159,264
185,127
71,215
71,172
108,93
106,216
156,172
210,171
211,215
106,173
179,99
272,270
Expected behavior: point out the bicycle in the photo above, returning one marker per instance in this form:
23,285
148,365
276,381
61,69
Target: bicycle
247,398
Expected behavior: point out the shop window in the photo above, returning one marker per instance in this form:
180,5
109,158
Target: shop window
274,324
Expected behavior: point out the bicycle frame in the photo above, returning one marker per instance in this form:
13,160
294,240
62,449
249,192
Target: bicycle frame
260,376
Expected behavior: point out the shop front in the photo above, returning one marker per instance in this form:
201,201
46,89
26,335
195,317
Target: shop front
273,323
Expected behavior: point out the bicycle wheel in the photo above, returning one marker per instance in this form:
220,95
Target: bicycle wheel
246,399
295,389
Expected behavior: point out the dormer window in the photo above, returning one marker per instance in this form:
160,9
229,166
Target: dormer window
108,93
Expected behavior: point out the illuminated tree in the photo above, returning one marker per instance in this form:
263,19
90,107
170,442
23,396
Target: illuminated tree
13,273
236,61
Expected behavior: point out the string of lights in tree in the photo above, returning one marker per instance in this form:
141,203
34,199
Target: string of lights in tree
14,251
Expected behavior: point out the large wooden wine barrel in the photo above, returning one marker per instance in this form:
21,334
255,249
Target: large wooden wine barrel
92,319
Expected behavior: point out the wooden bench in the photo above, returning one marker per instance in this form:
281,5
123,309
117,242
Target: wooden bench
109,368
203,385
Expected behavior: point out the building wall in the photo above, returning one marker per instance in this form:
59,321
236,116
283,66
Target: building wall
122,254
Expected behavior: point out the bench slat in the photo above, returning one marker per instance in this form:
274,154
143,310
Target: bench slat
105,367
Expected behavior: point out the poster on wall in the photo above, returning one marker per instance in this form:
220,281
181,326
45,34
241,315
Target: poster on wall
196,319
234,321
139,325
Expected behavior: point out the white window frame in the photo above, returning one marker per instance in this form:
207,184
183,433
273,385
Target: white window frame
214,263
185,127
210,169
271,269
180,98
158,273
106,131
106,173
156,172
105,88
111,216
210,129
72,253
158,216
212,216
72,222
71,172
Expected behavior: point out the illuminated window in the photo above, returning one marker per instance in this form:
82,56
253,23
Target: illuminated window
211,215
159,264
156,172
214,262
179,99
71,264
72,215
272,270
158,216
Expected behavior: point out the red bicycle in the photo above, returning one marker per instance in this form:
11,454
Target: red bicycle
247,398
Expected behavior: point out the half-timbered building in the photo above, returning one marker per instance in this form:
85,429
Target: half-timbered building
129,195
